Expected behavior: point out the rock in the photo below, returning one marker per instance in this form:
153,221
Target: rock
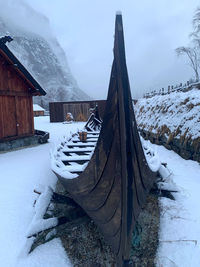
186,154
186,147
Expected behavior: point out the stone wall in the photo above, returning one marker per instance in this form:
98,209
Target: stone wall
40,137
186,147
172,120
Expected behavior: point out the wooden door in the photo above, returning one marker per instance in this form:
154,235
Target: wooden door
8,127
24,115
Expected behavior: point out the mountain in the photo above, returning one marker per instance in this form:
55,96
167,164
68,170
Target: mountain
39,51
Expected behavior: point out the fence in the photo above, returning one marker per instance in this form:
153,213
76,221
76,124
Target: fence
170,89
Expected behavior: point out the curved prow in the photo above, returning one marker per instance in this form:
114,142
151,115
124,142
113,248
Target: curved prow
94,122
137,178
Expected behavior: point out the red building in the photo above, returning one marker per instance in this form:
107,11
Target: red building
17,87
38,110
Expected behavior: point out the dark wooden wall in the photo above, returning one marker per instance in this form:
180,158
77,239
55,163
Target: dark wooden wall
16,107
79,109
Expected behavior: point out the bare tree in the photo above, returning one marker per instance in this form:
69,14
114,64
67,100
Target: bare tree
196,22
192,54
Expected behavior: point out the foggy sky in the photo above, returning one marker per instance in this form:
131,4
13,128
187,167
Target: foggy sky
153,29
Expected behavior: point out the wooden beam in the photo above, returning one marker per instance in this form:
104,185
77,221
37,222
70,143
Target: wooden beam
32,116
14,93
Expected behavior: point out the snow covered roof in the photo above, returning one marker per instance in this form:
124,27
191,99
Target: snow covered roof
37,107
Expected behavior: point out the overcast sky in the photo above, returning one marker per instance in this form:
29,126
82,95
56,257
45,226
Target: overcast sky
153,29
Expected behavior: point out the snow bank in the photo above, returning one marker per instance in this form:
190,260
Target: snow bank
151,155
177,113
179,236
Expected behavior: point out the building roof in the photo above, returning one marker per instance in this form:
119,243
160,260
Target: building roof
36,89
37,107
78,101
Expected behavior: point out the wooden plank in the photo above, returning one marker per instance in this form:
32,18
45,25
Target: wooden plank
80,111
77,141
3,75
14,93
78,152
8,116
77,149
24,116
31,115
86,145
58,110
79,161
1,117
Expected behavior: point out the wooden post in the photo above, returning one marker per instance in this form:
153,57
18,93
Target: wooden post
83,136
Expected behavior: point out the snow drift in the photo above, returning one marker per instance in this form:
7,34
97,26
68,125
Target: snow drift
172,120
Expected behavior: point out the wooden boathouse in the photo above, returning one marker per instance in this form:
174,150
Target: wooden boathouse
38,110
17,87
79,109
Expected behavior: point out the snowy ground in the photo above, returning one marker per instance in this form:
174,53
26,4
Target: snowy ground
20,172
23,170
180,219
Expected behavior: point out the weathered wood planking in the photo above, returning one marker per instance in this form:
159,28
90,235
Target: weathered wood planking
79,109
16,117
17,87
24,115
7,116
16,103
10,79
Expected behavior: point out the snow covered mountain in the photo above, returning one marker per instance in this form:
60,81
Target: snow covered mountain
39,51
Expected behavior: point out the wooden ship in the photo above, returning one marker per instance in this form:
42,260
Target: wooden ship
107,174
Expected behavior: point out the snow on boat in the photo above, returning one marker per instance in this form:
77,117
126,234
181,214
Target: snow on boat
108,174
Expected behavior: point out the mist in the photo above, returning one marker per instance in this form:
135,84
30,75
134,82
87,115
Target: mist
85,29
20,15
